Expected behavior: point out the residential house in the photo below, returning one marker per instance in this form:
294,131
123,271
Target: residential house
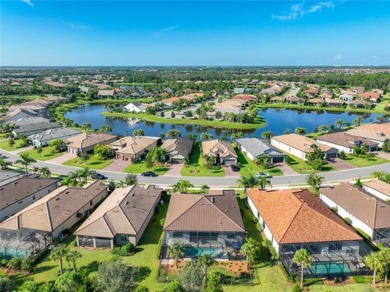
17,114
365,211
235,106
134,107
253,148
7,176
278,99
32,125
316,101
361,103
345,142
204,222
222,152
371,96
132,148
177,150
378,188
86,142
105,93
19,193
239,90
27,232
376,132
44,138
357,89
334,102
300,146
295,100
121,218
295,219
347,98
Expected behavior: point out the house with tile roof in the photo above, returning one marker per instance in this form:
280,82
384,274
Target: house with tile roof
364,210
86,142
345,142
378,188
132,148
222,152
177,150
376,132
253,148
300,146
44,138
121,218
48,218
210,223
295,219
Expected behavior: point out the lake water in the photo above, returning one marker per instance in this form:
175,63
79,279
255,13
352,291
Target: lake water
277,121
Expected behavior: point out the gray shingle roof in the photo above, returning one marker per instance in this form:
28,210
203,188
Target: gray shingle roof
257,147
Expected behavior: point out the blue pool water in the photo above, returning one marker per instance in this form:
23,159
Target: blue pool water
329,268
196,252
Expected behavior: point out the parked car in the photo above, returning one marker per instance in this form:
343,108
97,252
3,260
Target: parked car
149,173
263,174
96,175
234,167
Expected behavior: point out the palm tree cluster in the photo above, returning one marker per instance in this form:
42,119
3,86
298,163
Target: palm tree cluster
381,175
4,164
61,252
182,186
77,178
25,160
379,261
250,181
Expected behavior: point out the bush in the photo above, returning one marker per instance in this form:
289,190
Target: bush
142,289
348,220
125,250
27,265
14,264
296,288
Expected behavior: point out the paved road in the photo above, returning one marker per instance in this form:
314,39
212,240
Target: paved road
341,175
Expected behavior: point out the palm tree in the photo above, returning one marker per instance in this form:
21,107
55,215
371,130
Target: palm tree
4,163
374,262
263,182
105,129
72,256
384,255
315,181
86,127
303,258
44,171
250,249
339,123
157,154
247,182
206,261
176,250
58,253
267,135
85,172
204,189
26,160
300,131
182,186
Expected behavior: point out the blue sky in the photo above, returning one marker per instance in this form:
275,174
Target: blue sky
137,33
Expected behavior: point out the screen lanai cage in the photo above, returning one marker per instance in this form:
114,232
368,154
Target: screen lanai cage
22,243
329,259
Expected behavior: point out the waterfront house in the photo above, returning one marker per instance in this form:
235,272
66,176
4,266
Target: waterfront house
86,142
105,93
204,224
363,210
347,98
134,107
361,103
372,96
36,226
121,218
357,89
44,138
334,103
254,148
20,192
345,142
300,146
376,132
222,152
378,188
32,125
177,150
295,219
133,148
18,114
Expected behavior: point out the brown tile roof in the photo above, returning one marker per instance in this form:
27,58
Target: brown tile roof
296,216
367,208
178,147
132,145
379,186
370,95
216,146
345,139
85,140
21,188
301,143
51,211
246,97
378,132
123,212
205,213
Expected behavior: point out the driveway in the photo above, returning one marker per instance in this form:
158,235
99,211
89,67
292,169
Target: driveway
340,164
118,165
382,154
230,173
63,158
175,169
287,170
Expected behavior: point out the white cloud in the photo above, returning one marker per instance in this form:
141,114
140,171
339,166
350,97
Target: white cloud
165,30
28,2
299,10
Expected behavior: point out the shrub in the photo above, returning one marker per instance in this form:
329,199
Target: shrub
39,150
27,265
142,289
296,288
348,220
14,263
125,250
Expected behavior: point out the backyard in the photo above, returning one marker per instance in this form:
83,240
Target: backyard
92,162
46,153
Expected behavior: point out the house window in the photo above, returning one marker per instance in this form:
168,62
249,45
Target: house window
90,203
231,236
20,202
124,237
33,197
178,234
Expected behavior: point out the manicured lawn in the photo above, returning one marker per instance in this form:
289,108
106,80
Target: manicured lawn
93,162
146,257
141,167
44,155
249,167
5,145
363,162
344,288
195,166
303,167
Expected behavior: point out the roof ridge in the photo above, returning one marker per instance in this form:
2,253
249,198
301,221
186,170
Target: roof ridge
292,220
48,214
124,213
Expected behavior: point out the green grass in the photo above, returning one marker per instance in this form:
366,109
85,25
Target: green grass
93,162
249,167
201,122
5,145
343,288
146,257
140,167
195,166
303,167
363,162
44,155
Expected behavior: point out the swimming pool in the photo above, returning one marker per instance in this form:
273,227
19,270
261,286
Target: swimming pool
198,251
329,268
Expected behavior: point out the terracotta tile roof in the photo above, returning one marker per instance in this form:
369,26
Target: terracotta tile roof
246,97
124,212
378,132
205,213
301,143
215,146
85,140
133,145
345,139
367,208
296,216
379,186
51,211
370,95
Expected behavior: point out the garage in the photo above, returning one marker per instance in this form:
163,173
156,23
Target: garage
331,155
278,159
229,161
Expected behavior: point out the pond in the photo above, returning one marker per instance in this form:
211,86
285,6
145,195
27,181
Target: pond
277,121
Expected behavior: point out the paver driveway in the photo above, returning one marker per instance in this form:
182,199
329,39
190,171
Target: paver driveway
63,158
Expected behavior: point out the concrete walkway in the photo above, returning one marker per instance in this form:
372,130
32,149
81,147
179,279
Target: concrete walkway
340,164
382,154
61,159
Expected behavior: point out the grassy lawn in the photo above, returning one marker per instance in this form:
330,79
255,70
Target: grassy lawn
195,166
249,167
146,257
141,167
166,120
93,162
363,162
5,145
44,155
303,167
